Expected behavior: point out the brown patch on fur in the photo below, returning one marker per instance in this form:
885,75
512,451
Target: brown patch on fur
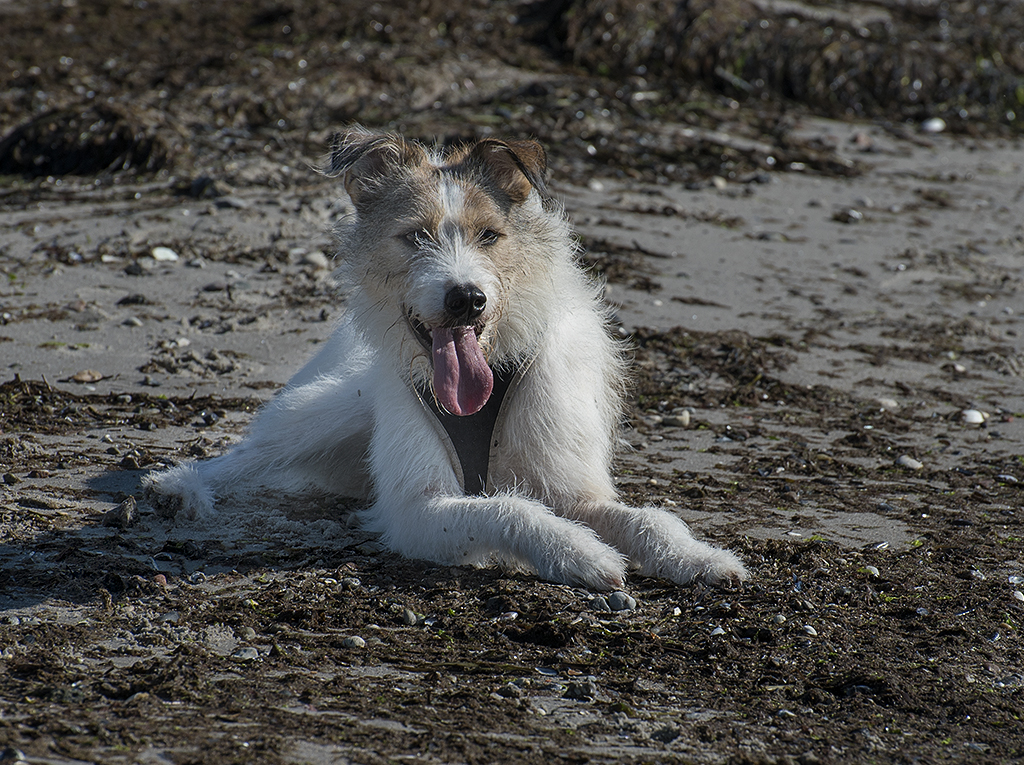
509,170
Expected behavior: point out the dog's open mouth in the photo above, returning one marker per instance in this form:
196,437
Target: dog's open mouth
462,378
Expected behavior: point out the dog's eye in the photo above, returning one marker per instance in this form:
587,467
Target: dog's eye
416,238
489,236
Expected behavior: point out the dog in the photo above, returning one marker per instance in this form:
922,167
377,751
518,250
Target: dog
472,392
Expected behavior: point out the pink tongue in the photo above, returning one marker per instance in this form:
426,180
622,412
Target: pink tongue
462,379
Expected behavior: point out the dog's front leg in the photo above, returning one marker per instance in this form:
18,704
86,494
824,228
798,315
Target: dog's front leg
658,543
515,530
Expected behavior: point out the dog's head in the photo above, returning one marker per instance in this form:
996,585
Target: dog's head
445,248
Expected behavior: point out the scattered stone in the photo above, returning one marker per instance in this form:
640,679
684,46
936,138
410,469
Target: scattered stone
779,619
583,690
316,259
247,653
247,633
9,755
132,321
600,604
889,404
681,420
124,516
873,572
411,618
164,255
10,479
354,642
717,631
973,416
621,601
810,631
87,376
933,125
905,460
848,215
1018,595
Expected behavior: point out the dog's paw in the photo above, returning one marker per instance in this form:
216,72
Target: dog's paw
178,493
724,567
593,565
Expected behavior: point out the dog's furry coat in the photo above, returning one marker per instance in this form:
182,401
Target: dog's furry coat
459,269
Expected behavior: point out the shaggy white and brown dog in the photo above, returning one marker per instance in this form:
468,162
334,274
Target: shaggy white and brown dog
471,393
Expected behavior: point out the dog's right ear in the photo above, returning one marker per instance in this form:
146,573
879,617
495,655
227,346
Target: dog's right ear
363,159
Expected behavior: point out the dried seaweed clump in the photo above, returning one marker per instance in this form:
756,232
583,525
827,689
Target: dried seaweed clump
962,61
83,141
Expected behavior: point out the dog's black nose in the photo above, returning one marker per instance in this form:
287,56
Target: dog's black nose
464,302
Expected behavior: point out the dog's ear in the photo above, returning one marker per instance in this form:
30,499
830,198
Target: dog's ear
516,166
363,159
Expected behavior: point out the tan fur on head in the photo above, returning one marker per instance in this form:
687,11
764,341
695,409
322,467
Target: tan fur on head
508,170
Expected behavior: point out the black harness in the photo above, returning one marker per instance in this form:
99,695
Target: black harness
472,440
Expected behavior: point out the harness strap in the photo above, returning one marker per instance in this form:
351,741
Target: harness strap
472,440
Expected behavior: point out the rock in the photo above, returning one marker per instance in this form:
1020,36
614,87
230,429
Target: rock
316,259
354,642
810,631
973,416
87,376
681,420
247,653
905,460
933,125
164,255
583,690
411,618
600,604
124,515
873,572
621,601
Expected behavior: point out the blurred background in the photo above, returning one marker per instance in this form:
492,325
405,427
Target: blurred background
659,90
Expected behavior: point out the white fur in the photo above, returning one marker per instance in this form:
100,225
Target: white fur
348,422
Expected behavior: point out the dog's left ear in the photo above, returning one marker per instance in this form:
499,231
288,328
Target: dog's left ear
516,166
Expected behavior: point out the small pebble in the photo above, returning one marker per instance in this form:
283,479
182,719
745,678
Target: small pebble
1018,595
717,631
411,618
247,633
317,260
933,125
583,690
973,416
810,631
681,420
124,515
11,755
889,404
779,619
848,215
621,601
905,460
354,642
164,255
247,653
600,603
873,572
